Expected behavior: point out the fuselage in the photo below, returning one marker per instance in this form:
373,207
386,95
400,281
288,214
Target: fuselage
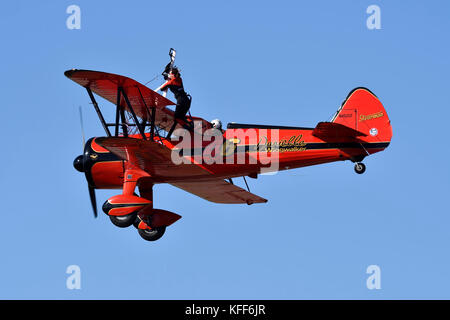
242,150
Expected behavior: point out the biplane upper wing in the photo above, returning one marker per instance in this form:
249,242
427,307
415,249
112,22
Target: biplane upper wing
141,98
193,178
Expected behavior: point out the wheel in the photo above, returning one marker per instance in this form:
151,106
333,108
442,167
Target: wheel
152,234
360,168
123,221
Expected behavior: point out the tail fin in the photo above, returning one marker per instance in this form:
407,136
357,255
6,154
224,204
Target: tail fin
362,111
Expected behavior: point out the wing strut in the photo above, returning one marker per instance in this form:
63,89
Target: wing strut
152,117
116,131
97,109
121,115
246,184
136,121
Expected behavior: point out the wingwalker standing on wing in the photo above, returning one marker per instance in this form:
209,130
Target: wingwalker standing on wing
175,84
134,157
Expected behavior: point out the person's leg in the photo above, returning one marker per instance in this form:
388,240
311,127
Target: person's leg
183,106
180,113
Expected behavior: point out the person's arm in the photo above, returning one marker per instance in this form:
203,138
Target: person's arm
164,86
161,87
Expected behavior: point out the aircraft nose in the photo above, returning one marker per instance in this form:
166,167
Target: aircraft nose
78,163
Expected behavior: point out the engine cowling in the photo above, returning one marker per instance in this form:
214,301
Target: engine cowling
103,169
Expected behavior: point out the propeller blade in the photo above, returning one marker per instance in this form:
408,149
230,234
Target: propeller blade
93,200
83,156
82,127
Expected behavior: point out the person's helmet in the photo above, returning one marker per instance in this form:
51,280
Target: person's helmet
217,124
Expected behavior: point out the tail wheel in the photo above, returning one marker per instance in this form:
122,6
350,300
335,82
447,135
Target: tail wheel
123,221
360,168
152,234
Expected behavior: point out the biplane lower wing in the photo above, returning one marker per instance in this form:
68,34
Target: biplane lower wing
152,157
219,191
156,159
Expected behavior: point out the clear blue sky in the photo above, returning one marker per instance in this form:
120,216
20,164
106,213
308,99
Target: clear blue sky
267,62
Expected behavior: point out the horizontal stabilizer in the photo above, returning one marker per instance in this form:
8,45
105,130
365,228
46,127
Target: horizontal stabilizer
331,131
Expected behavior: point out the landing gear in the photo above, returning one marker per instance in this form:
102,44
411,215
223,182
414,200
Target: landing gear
123,221
152,234
360,168
149,234
138,211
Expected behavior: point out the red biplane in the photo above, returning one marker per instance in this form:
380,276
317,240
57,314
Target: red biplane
136,155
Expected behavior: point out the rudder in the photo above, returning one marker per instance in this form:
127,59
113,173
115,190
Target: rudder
362,111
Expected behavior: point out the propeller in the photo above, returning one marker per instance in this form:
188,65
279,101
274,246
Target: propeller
82,126
80,164
93,199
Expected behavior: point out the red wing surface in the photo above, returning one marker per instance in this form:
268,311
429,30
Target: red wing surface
219,191
152,157
141,98
156,160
